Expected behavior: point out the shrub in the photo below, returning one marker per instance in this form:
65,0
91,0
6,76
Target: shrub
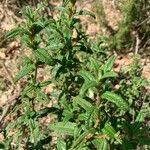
89,112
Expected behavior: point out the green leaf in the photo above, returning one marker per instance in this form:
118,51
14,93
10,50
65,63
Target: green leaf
29,13
87,76
127,145
83,103
86,12
116,99
43,55
63,128
45,83
144,140
82,138
39,26
41,95
109,64
100,144
87,85
110,74
44,112
25,71
94,64
109,130
15,32
61,145
28,89
143,113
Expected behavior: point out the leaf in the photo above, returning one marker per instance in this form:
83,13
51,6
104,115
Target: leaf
38,26
14,32
127,145
87,76
41,95
86,12
143,113
82,138
63,128
87,85
43,55
100,144
116,99
144,140
109,64
45,83
44,112
110,74
28,89
94,64
29,13
84,104
61,145
24,71
109,130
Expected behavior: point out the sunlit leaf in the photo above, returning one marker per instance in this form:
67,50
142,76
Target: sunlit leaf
100,144
63,128
109,64
110,74
43,55
116,99
25,71
84,104
61,145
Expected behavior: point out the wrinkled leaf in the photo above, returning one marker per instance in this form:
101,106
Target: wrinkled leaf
61,145
86,12
63,128
84,104
109,130
109,64
24,71
100,144
87,85
87,76
82,138
15,32
43,55
116,99
110,74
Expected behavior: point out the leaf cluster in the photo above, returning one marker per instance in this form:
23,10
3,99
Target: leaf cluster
89,112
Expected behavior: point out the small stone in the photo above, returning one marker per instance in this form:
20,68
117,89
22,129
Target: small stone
2,55
3,100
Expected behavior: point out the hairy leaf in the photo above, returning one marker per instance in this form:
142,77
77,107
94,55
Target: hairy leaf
87,85
81,138
24,71
15,32
109,64
100,144
109,75
63,128
116,99
109,130
61,145
84,104
43,55
87,76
